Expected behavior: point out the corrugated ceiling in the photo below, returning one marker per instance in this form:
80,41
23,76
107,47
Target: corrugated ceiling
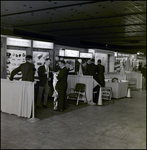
115,23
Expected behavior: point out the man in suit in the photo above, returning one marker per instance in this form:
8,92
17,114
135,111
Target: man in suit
27,69
100,73
45,78
61,86
91,68
100,69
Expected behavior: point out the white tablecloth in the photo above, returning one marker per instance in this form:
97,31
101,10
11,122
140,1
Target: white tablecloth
17,97
119,89
88,80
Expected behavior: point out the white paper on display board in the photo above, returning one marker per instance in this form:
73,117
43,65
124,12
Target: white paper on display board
14,59
39,59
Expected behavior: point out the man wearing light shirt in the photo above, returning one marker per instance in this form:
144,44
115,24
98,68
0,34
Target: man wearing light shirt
45,77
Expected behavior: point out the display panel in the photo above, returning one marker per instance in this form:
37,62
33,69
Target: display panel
71,64
39,59
18,42
14,59
86,55
104,60
91,51
71,53
61,52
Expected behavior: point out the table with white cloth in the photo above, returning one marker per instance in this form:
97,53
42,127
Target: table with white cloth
88,80
119,89
17,97
136,75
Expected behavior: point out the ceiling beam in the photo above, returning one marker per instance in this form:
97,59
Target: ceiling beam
50,8
89,19
96,27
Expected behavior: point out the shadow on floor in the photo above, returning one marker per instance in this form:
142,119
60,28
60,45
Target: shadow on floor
43,113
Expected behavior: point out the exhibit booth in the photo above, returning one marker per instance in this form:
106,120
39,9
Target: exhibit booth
118,66
18,97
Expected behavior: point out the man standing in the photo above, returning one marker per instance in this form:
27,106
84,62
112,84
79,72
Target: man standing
45,77
91,68
100,69
143,71
61,86
100,73
27,69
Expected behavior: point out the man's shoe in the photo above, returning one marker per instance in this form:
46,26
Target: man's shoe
61,110
92,103
45,106
65,107
37,107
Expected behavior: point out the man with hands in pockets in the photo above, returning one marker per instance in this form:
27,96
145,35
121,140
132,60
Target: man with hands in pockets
45,81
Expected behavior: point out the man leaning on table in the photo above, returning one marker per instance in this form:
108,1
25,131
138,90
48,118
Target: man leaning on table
27,69
45,81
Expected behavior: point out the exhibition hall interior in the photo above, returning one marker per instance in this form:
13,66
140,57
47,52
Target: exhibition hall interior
73,74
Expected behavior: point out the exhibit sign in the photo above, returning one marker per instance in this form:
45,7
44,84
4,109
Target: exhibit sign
44,45
106,93
61,52
91,51
14,59
71,53
18,42
39,59
86,55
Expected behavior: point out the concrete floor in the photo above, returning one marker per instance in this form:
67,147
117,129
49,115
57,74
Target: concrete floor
121,125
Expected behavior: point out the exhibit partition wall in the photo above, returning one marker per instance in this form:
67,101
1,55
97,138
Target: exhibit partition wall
3,57
106,56
42,50
15,54
122,63
15,49
71,54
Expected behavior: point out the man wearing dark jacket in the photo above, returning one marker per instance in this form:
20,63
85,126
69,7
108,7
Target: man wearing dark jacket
91,69
100,73
61,86
45,77
27,69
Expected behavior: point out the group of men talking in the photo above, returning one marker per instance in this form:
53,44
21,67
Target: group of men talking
45,73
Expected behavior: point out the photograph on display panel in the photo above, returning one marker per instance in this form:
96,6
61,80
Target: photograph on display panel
39,59
71,63
14,59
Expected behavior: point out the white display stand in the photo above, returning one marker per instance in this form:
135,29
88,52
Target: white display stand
17,97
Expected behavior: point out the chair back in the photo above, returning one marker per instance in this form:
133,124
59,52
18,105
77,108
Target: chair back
132,83
80,86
